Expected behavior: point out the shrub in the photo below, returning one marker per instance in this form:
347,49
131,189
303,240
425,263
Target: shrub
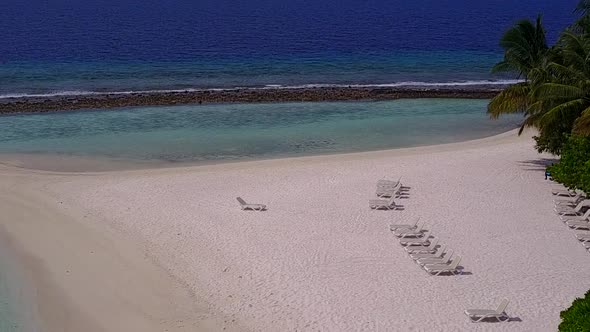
573,169
577,317
553,138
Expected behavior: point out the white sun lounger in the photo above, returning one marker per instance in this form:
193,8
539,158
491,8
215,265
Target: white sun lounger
424,240
253,207
436,260
390,182
569,200
583,236
428,248
384,204
423,254
563,192
437,269
385,192
393,227
584,217
575,225
477,315
404,232
572,211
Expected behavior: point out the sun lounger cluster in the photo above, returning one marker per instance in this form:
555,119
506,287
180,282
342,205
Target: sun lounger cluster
425,250
573,208
388,191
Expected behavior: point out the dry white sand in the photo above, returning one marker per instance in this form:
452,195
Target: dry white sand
77,275
320,259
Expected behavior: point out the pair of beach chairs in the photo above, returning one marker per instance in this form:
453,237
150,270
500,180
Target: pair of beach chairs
571,205
573,210
391,190
425,251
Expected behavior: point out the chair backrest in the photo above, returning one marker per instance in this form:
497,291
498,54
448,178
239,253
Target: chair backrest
416,222
433,244
440,250
582,204
455,262
447,257
426,236
242,202
502,307
420,228
391,201
392,182
586,215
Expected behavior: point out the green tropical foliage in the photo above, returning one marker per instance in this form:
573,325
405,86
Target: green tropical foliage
555,94
577,317
554,98
573,169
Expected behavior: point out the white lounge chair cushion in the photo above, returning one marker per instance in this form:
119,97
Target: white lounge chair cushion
481,312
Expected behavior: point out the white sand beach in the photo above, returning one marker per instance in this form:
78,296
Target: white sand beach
170,250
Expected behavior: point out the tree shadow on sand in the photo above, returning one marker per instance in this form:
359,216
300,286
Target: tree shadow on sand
494,320
539,165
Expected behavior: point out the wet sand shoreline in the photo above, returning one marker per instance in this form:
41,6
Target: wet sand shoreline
83,276
38,104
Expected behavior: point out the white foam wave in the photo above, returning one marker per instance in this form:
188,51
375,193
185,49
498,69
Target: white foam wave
402,84
74,93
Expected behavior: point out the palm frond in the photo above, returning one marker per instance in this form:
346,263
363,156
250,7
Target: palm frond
513,99
569,109
582,124
503,66
574,49
583,8
548,91
530,121
563,74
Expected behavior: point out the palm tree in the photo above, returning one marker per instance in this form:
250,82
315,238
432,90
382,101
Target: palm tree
525,48
525,52
555,93
565,96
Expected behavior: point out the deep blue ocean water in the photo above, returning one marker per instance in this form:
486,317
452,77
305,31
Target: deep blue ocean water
66,46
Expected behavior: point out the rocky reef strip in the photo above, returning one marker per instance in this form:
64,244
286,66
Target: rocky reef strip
267,95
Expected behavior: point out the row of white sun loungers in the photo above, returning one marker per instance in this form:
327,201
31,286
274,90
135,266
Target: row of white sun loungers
573,208
425,251
413,237
437,259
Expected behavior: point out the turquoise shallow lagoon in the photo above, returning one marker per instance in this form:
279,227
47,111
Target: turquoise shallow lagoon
8,318
17,310
223,132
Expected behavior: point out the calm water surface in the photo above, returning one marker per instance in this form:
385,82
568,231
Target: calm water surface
249,131
66,46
